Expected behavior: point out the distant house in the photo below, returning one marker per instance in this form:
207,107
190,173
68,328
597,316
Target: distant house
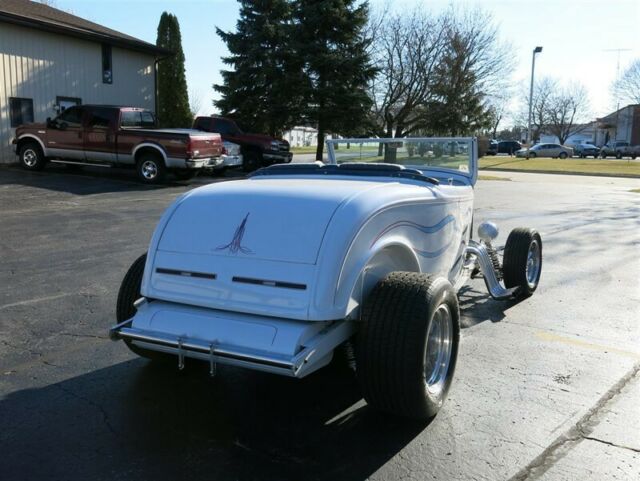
623,124
301,136
583,134
50,59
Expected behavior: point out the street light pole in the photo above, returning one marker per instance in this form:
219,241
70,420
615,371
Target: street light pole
533,68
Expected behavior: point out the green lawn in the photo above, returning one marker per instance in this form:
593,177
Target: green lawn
311,149
576,166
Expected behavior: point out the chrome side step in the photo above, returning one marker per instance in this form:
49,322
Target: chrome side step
72,162
316,353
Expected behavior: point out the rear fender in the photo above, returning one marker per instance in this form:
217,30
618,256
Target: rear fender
353,288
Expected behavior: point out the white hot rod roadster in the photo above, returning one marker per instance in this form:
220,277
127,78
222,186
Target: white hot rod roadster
277,271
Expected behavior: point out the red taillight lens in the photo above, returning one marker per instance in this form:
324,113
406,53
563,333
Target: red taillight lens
189,148
225,151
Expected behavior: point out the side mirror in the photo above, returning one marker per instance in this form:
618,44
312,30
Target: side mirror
63,125
49,123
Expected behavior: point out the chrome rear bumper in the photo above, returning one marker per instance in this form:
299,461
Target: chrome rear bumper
315,353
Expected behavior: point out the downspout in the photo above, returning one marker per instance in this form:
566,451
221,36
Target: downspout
155,86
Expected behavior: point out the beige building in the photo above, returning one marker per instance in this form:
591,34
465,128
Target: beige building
50,59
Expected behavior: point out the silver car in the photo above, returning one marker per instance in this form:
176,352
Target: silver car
547,150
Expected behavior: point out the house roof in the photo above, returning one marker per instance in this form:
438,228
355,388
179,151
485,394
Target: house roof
44,17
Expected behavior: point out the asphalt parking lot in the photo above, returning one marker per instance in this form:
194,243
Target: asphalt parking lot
545,389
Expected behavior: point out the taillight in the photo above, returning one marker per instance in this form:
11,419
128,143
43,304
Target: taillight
190,147
225,151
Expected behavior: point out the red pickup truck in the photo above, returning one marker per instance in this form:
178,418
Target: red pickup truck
107,136
257,150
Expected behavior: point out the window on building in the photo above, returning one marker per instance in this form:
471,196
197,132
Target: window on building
107,64
21,111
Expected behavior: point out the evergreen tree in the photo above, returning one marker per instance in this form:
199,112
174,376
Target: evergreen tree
330,38
173,99
262,91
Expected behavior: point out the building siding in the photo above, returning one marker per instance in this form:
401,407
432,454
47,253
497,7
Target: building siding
41,66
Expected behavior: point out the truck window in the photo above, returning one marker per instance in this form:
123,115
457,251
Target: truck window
71,116
203,123
224,127
137,118
100,118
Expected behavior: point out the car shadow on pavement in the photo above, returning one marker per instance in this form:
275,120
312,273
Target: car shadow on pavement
137,420
477,306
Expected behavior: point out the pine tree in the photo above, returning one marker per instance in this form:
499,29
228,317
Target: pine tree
330,38
262,91
173,99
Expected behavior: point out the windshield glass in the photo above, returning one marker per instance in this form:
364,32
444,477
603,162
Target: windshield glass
453,154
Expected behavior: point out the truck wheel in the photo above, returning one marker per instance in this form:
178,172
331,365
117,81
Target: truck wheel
150,168
522,263
408,344
185,174
31,157
251,161
129,293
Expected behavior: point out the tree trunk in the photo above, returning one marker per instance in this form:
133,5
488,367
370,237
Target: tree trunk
320,145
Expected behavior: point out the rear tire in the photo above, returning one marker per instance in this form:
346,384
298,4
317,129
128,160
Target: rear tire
563,155
150,168
31,157
408,345
522,262
129,293
618,155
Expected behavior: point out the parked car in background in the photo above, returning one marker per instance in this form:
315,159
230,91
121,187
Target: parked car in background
231,158
508,147
257,150
493,148
619,149
586,150
546,150
107,136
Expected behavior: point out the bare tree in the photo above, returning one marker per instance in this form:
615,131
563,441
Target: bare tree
543,90
195,101
406,49
627,87
435,73
567,111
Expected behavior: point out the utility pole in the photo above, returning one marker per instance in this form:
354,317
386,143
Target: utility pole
617,50
533,68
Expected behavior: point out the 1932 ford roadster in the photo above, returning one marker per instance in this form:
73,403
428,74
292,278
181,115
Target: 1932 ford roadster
276,271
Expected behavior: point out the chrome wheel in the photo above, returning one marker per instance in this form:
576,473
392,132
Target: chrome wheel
149,169
534,261
30,157
438,351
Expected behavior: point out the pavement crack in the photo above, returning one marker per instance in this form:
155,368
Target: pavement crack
102,410
608,443
576,434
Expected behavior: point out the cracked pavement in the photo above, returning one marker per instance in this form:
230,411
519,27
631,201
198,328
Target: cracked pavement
546,389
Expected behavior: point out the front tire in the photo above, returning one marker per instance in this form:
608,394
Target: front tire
31,157
522,262
532,155
251,161
407,348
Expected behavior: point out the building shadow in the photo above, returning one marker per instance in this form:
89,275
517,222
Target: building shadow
95,180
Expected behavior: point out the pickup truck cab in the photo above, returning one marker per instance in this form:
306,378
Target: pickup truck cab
108,136
257,150
619,149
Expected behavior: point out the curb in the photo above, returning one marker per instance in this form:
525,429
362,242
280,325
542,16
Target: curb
561,172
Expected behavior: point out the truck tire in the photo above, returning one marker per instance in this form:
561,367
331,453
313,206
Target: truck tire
31,157
129,293
150,168
408,345
522,262
251,160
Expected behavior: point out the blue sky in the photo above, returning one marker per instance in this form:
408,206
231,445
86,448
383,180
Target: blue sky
575,34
